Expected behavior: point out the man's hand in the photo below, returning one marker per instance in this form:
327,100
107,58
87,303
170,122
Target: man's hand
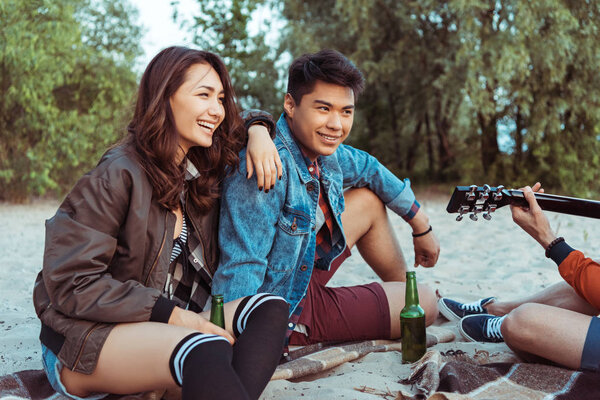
262,157
532,219
427,250
190,319
427,247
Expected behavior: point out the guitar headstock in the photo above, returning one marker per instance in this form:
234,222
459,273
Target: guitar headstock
477,199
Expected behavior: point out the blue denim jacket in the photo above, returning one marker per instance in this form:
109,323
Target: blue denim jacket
267,240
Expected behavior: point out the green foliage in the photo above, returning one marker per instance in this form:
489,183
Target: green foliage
457,91
223,28
65,82
498,92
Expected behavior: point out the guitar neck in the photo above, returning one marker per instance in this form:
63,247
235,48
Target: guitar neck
560,204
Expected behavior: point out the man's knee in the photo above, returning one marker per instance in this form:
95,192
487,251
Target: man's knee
363,200
428,301
519,324
395,292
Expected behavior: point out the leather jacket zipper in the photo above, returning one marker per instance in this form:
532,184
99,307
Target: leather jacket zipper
199,233
162,245
83,345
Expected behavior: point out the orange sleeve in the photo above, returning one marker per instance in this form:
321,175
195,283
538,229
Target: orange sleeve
583,274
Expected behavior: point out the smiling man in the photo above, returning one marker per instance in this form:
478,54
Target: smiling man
331,197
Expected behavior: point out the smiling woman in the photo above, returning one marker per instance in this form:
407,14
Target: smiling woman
130,254
198,107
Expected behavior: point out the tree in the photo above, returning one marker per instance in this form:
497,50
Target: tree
65,83
457,76
223,28
407,51
497,92
531,68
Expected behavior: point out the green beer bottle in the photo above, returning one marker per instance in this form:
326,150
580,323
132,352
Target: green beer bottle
217,316
412,323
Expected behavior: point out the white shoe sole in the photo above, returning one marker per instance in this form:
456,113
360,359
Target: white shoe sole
446,312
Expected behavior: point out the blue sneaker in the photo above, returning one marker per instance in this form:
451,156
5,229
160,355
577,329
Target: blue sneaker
482,328
453,310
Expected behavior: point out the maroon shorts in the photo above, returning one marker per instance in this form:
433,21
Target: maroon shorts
342,313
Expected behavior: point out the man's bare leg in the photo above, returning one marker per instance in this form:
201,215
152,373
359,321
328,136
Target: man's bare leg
560,295
555,334
366,225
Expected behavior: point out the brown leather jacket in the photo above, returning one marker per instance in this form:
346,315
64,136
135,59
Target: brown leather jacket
106,258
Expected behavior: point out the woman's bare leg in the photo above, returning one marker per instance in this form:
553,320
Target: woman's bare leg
134,358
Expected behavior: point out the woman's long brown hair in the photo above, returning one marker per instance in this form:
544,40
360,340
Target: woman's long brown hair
154,138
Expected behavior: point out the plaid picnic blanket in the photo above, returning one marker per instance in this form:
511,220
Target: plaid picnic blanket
439,376
33,384
317,358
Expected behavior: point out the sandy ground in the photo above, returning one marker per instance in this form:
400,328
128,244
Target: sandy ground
477,259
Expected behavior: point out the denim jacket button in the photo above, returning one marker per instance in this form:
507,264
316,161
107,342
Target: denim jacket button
303,268
294,225
310,187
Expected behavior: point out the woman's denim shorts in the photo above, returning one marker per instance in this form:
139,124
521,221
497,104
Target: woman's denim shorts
53,366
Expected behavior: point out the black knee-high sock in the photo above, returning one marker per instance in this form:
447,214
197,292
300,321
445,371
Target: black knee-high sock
201,365
259,323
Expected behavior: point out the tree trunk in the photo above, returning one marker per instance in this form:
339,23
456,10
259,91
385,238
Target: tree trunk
411,151
489,142
395,135
518,159
445,155
430,160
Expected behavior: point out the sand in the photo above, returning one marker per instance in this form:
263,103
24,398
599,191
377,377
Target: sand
478,259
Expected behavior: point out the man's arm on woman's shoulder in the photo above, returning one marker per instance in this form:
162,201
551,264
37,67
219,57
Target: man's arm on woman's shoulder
247,228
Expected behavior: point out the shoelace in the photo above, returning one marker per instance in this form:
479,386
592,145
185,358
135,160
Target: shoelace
492,330
474,306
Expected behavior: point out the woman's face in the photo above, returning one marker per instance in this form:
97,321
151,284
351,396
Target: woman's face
197,106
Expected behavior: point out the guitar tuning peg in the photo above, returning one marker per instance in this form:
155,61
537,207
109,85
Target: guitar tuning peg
473,216
462,210
487,216
498,194
471,194
486,192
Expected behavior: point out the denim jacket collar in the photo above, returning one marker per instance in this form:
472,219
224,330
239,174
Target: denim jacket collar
287,138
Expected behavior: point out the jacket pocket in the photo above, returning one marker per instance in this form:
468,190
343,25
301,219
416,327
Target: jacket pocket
290,242
294,222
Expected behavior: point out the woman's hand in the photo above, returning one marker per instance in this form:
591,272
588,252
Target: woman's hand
532,219
262,157
190,319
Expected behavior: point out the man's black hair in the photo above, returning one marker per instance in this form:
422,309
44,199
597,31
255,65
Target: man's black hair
329,66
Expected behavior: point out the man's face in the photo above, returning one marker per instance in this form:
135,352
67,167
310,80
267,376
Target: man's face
322,120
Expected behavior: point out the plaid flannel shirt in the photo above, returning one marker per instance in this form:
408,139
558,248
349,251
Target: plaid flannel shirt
323,243
189,279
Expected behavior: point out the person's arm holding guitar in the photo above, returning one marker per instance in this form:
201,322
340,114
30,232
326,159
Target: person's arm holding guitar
532,219
582,273
486,200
